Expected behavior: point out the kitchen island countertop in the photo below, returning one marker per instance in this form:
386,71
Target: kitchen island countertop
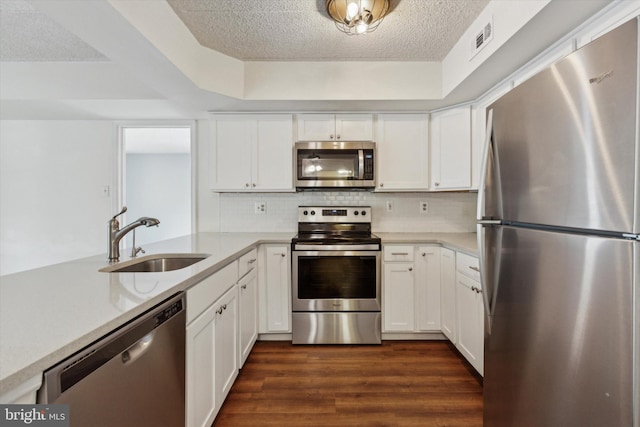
49,313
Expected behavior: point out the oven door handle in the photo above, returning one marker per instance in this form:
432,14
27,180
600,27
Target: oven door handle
360,164
334,248
312,253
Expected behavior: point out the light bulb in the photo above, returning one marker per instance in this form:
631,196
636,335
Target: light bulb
361,28
352,10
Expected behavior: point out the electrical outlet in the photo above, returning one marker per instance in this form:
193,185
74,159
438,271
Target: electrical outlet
389,206
260,208
424,207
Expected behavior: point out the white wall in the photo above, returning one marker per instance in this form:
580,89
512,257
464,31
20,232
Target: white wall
159,186
52,204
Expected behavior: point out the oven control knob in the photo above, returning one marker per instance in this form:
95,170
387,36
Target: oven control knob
313,212
305,213
355,213
364,213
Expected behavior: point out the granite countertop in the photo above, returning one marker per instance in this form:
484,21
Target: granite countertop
49,313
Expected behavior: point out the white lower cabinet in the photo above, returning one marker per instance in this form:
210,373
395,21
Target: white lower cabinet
226,343
470,311
201,389
274,293
411,288
428,288
248,297
211,344
397,307
470,321
448,293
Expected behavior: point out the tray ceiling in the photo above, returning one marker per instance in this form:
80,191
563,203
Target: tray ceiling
300,30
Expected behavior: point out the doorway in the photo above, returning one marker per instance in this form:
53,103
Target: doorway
156,180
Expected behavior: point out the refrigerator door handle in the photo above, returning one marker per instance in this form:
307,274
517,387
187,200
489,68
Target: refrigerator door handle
489,157
483,279
485,165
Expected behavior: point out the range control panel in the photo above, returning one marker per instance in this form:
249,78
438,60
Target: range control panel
347,214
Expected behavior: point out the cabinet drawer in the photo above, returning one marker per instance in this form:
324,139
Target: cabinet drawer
206,292
468,266
397,253
247,262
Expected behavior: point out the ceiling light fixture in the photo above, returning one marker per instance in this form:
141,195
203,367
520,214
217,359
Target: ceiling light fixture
354,17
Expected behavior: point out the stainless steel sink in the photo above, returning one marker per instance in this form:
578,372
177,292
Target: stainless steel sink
155,263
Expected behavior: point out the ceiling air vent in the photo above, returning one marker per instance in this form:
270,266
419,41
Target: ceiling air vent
482,38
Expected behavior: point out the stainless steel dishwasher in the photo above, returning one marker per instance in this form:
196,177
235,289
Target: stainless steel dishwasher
135,376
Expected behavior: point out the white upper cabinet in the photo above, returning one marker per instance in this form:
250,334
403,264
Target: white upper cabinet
402,152
451,149
335,127
251,153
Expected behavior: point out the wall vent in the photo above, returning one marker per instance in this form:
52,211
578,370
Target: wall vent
481,38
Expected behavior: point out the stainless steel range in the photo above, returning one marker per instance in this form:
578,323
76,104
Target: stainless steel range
335,277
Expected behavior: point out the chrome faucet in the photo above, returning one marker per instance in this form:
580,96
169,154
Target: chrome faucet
116,233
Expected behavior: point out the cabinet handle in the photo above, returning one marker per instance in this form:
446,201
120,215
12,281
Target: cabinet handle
437,184
478,290
251,261
381,184
337,136
224,307
424,254
247,185
400,253
283,255
474,268
243,287
330,136
253,185
219,311
410,268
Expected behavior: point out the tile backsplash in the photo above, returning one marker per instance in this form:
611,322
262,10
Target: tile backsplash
447,212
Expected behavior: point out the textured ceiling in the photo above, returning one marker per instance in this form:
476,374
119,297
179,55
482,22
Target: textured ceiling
262,30
29,35
300,30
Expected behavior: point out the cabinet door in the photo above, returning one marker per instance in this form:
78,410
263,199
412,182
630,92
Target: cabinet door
276,296
273,161
226,344
316,127
354,127
230,164
403,161
398,297
201,378
470,321
428,288
448,293
451,149
248,288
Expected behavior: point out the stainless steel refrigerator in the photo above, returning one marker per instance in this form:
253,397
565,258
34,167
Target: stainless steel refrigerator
558,224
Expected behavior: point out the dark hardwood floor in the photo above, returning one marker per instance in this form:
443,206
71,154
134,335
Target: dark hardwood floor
399,383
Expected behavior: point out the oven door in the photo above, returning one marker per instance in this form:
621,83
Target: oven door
335,280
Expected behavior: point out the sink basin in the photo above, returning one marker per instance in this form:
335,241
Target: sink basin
155,263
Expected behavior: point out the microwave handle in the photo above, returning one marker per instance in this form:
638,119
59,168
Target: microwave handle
360,164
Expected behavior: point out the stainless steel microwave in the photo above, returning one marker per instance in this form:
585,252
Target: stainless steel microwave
335,164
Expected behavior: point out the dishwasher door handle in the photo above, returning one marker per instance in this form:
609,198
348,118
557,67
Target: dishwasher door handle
134,352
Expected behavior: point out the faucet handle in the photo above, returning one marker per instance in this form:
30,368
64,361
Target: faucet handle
124,209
